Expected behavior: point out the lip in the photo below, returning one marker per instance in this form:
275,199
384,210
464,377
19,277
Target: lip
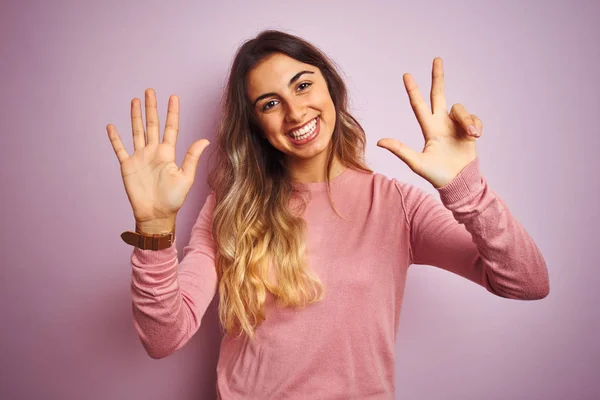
309,138
301,126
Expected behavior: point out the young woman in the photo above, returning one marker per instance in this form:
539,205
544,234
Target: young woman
307,248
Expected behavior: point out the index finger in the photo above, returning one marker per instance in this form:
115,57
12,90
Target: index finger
417,103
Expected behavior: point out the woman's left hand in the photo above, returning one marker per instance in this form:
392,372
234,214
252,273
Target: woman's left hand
449,144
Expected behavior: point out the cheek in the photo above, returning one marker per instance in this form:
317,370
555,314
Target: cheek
328,109
271,127
322,99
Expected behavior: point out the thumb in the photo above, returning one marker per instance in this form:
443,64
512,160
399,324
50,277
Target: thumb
190,162
402,151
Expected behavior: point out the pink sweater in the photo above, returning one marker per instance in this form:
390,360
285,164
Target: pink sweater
341,347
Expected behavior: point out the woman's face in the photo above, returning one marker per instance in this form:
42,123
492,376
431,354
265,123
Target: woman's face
293,107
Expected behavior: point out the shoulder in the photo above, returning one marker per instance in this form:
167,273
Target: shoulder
381,182
380,186
385,188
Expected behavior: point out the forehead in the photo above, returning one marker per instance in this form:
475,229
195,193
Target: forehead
274,73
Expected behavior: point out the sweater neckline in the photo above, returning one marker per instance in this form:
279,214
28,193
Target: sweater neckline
322,186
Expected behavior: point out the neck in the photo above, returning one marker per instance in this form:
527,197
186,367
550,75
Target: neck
314,169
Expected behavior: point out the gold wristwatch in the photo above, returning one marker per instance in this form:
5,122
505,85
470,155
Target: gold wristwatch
146,241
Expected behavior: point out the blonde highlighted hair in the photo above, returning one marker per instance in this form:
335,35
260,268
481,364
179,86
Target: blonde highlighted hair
257,222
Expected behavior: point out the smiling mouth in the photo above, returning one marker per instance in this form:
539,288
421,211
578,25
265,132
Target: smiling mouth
306,130
308,135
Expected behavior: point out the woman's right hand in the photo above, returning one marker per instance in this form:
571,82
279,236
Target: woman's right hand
155,186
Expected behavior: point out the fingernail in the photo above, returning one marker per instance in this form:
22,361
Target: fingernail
473,130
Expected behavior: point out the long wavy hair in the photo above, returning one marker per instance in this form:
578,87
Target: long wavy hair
256,229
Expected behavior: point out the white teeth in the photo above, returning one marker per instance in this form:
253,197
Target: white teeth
302,133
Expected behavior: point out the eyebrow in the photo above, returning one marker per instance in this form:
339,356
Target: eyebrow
294,79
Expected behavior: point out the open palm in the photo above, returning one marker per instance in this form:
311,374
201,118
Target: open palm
155,186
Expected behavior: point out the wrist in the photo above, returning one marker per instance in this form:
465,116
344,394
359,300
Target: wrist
156,226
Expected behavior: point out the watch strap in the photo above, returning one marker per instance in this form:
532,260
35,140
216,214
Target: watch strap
146,241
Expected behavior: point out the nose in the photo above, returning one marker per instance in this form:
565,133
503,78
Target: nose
295,113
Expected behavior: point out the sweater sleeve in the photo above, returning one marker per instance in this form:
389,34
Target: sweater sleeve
171,297
473,234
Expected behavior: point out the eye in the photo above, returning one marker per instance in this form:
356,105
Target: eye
301,87
304,83
265,108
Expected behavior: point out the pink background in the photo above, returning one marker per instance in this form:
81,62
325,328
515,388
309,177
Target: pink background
528,69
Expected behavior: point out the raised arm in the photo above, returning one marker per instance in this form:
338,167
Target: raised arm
473,234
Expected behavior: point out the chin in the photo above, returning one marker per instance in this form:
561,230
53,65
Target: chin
319,148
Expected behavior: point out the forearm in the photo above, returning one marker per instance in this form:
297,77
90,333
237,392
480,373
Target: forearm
170,299
473,234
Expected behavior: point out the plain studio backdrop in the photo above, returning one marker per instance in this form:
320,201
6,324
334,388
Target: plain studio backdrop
528,69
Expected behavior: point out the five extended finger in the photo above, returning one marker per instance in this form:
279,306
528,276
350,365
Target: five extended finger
117,145
152,130
172,124
190,162
137,124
